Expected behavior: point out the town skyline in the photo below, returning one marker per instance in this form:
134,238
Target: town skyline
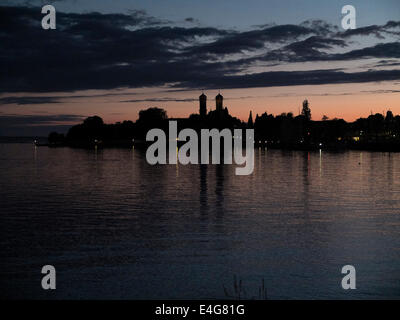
266,62
236,105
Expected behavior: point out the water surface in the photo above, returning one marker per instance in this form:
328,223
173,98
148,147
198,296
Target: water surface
115,227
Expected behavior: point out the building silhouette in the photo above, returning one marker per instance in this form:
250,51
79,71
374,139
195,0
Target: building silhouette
250,122
219,99
203,105
376,132
218,102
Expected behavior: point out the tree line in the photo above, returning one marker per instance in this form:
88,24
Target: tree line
377,131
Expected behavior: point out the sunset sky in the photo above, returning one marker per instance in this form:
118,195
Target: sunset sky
114,58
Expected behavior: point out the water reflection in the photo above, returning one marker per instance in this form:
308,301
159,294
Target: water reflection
219,190
203,190
306,180
120,228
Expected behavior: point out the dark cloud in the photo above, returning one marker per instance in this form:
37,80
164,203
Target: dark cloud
87,51
161,100
382,50
12,120
320,27
107,51
36,125
293,78
310,50
178,99
381,91
387,63
192,20
28,100
250,40
363,31
377,31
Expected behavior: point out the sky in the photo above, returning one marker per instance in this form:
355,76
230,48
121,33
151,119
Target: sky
115,58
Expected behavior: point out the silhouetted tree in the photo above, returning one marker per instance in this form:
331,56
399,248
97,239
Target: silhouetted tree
389,116
93,122
92,128
152,115
150,118
306,111
282,130
56,138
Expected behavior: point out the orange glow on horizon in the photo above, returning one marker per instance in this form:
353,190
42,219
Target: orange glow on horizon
346,101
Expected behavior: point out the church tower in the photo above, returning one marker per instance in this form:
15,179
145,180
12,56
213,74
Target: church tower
250,123
203,105
218,102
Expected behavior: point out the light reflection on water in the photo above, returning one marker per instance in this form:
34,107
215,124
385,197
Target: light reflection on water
116,227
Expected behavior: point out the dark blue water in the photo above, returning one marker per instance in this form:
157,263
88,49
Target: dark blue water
115,227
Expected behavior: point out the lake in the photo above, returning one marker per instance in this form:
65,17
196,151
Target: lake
116,227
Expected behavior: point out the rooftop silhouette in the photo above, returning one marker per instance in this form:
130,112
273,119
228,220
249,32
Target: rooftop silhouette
377,132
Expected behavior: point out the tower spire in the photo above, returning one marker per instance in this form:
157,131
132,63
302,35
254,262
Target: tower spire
219,102
203,105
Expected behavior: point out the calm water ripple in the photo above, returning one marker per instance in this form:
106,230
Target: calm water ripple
116,227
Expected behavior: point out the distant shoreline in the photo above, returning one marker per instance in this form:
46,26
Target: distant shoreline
22,139
127,144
